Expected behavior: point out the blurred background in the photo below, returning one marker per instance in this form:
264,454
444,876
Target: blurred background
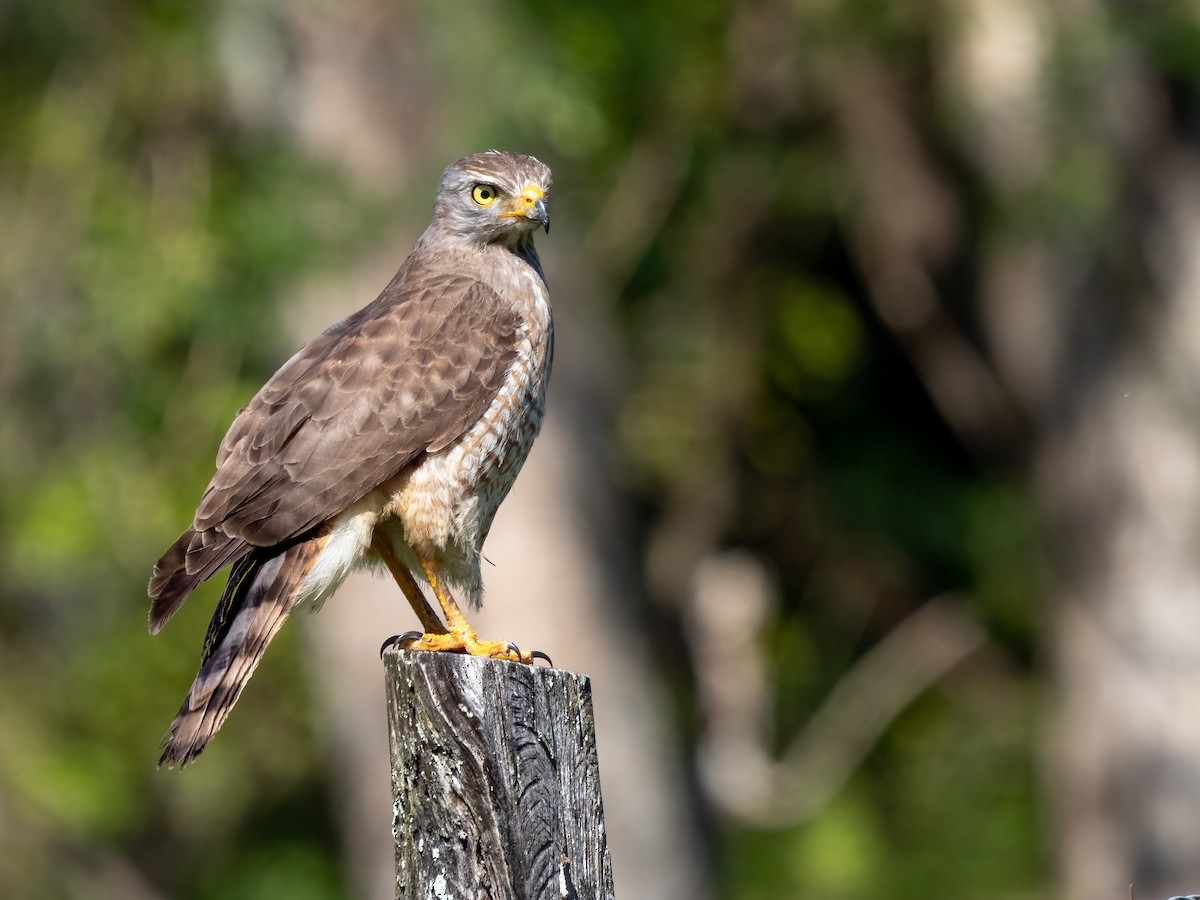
869,494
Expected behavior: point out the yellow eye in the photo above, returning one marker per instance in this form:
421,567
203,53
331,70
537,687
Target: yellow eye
484,194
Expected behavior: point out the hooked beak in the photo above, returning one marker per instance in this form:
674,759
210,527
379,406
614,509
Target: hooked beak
532,205
540,214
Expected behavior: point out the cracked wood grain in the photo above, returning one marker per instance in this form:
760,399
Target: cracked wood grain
495,781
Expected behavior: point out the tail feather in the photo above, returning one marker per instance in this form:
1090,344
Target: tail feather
192,559
262,590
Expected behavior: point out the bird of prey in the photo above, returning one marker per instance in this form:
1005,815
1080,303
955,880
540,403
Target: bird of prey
389,441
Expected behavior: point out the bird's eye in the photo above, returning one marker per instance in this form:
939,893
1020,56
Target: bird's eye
483,194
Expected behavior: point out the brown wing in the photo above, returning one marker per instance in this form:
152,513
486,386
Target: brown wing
406,375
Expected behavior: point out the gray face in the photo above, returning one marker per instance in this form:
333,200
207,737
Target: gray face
494,197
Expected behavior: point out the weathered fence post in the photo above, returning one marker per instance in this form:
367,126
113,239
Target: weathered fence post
495,781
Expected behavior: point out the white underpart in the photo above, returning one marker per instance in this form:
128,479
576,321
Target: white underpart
343,551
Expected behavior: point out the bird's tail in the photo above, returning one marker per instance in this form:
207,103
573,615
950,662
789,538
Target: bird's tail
263,588
194,558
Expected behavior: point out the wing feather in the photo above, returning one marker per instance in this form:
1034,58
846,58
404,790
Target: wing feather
412,371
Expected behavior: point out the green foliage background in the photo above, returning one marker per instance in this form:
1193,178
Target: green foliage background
148,233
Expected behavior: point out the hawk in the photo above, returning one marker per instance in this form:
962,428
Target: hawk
389,441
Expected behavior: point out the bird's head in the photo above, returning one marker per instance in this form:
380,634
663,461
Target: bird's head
494,197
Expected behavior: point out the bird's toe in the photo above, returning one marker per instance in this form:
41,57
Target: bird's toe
403,641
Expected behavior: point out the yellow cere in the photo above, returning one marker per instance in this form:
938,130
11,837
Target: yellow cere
531,195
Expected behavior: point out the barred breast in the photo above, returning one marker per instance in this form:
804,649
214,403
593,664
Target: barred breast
447,502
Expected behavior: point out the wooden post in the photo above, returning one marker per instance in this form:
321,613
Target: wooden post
495,781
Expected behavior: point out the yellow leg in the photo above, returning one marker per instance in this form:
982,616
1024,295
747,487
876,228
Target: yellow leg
461,636
425,613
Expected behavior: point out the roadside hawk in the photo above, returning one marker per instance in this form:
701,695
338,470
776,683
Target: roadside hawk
389,441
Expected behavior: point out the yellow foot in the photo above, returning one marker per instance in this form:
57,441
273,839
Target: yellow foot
464,642
467,642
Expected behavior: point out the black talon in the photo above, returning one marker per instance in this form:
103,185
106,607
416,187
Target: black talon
538,654
397,640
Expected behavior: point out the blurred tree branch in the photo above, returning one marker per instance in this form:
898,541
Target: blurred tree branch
727,617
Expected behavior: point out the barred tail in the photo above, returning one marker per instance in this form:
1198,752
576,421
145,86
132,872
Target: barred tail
262,590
